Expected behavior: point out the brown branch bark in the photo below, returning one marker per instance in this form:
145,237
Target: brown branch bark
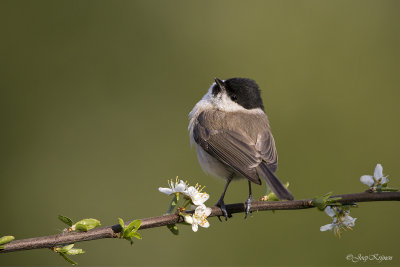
113,230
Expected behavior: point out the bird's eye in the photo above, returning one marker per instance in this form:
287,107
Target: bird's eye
216,90
234,98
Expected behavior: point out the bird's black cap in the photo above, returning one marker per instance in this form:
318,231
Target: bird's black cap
243,91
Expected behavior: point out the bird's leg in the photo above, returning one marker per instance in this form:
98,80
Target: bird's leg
248,201
221,202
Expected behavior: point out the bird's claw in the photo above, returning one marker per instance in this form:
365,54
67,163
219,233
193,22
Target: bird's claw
248,205
221,204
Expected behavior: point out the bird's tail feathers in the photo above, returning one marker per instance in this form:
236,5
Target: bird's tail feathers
273,182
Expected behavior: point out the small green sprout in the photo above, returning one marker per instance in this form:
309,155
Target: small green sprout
83,225
325,200
65,220
270,196
129,232
68,250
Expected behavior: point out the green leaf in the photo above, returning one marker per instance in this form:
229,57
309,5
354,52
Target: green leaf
75,251
63,249
173,228
131,228
133,225
319,203
136,235
128,236
333,201
68,259
286,184
86,224
325,200
133,234
68,249
1,247
65,220
129,232
6,239
272,197
121,222
173,204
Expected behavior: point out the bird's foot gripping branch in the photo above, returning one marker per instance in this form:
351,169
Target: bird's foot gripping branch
336,207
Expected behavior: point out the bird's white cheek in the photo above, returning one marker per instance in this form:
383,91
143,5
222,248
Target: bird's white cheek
224,102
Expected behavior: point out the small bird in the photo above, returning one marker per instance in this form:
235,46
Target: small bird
233,137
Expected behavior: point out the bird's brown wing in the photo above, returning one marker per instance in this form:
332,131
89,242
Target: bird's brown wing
237,149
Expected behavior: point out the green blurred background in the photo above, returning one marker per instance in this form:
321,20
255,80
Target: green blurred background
94,102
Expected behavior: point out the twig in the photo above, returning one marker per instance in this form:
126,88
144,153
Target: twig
112,231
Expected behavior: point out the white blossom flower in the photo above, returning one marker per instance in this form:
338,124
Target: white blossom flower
199,217
330,212
178,186
348,221
341,220
197,197
327,227
377,179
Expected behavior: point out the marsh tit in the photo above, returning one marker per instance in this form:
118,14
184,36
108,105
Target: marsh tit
233,138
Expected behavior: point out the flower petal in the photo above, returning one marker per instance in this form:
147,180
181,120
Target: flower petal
191,191
205,224
199,198
164,190
200,210
188,219
195,227
326,227
330,211
181,187
349,221
367,179
378,173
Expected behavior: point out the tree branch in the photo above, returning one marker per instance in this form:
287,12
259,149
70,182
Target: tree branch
112,231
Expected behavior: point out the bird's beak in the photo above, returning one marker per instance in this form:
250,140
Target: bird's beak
220,83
